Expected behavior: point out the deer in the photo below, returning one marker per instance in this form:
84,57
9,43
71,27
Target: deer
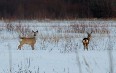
28,40
86,41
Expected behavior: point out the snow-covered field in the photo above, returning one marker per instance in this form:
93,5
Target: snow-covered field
58,47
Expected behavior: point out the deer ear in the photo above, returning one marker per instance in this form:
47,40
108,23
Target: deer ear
37,31
87,32
91,32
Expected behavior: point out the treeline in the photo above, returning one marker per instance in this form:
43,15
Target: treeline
56,9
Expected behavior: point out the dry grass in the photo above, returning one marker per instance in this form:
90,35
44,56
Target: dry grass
65,34
94,28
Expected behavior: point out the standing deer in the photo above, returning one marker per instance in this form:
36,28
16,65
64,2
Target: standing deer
86,41
30,41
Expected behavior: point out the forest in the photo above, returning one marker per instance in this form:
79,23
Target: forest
57,9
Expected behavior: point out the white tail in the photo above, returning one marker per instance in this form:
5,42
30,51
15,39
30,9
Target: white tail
86,41
30,41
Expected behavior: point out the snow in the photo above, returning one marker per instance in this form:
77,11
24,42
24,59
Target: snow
56,50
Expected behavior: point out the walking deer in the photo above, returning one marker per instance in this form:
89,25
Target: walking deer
30,41
86,41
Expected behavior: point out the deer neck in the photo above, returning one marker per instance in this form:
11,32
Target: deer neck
89,38
34,37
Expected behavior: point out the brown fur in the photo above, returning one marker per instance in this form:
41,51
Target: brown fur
86,41
30,41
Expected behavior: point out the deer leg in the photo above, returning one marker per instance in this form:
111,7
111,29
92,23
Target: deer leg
87,47
19,47
32,47
84,47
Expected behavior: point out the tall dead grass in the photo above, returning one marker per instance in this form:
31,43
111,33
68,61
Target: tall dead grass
65,34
